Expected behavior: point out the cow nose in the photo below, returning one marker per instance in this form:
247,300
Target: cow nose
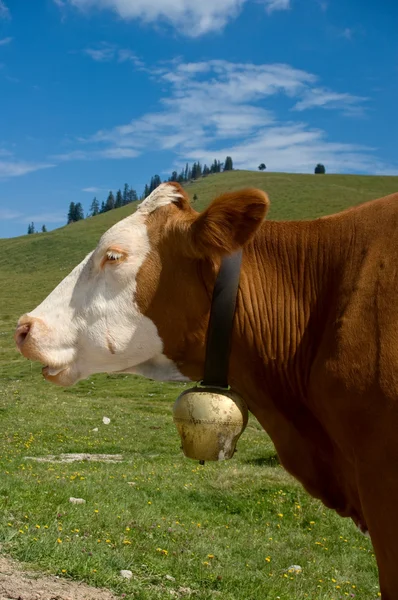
22,333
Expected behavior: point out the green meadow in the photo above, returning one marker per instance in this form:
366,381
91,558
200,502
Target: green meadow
230,530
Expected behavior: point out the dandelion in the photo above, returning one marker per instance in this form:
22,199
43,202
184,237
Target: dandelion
37,526
210,556
280,515
63,571
149,502
59,541
206,563
96,510
126,542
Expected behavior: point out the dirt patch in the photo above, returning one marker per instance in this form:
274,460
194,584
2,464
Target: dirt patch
16,584
69,458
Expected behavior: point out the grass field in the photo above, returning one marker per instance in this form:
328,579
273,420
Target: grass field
228,530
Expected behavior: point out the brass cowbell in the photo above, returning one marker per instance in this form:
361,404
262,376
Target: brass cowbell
209,421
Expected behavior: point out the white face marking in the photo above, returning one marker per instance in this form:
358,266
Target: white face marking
91,322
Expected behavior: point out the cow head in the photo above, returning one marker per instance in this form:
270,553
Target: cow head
140,301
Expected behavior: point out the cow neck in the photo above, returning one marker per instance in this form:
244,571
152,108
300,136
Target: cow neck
222,312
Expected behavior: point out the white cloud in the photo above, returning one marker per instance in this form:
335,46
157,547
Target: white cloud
217,108
272,5
112,153
192,18
104,54
4,12
15,168
107,52
6,41
9,215
323,98
92,190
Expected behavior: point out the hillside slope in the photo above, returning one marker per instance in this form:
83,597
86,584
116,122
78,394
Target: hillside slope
292,197
31,265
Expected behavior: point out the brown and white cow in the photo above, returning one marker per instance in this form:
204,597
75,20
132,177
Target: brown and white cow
315,341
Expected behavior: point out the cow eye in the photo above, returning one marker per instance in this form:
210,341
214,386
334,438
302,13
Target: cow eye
114,256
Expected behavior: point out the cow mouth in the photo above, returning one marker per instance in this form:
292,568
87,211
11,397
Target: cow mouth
62,376
52,371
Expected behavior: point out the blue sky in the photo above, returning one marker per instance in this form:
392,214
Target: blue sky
96,93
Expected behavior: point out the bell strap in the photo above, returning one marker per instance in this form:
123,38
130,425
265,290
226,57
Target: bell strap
222,312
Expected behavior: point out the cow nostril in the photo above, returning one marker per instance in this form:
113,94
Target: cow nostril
21,334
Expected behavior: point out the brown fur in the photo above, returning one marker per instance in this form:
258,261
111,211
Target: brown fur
315,343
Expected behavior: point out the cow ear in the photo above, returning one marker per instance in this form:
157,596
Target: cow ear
229,222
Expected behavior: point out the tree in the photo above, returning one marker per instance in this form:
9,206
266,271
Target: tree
31,228
102,209
262,167
320,169
228,165
119,199
216,166
71,213
110,202
94,208
79,212
174,176
126,193
206,171
146,191
44,229
132,196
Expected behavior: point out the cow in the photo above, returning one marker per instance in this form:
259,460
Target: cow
314,348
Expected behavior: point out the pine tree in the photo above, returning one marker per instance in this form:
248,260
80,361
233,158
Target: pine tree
79,212
102,209
31,228
320,169
262,167
44,229
193,173
126,193
132,196
206,171
110,202
228,165
94,208
119,199
174,176
71,213
186,172
146,191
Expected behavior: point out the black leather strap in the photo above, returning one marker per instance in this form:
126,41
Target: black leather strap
222,313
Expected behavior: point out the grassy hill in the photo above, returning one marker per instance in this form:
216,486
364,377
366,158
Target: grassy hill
227,530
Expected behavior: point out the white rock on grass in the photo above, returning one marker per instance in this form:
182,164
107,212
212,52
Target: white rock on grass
106,420
77,500
294,569
126,574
